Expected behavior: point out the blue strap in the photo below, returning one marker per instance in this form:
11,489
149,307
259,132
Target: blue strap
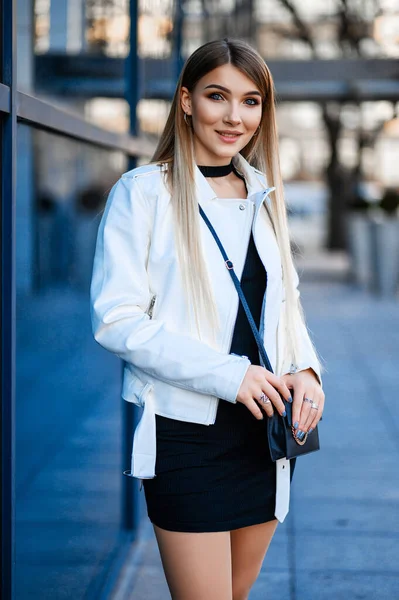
236,281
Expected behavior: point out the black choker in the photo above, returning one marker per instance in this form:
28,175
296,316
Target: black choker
216,171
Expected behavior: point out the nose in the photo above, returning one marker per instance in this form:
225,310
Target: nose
233,116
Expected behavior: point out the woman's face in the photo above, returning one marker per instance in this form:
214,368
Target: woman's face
226,110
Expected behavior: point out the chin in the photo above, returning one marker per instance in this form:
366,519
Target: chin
226,152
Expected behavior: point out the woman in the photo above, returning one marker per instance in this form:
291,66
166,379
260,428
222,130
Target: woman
162,299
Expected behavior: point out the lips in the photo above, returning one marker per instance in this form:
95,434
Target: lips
229,133
228,136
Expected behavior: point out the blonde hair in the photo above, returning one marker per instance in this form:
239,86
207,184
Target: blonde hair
176,148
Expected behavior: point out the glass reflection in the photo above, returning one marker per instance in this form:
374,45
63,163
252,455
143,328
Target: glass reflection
68,407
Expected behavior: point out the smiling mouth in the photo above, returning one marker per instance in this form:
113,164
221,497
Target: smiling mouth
228,134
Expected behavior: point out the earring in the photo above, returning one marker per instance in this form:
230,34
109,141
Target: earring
185,119
257,131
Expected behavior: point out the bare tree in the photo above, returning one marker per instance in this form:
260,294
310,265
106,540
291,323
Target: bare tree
342,181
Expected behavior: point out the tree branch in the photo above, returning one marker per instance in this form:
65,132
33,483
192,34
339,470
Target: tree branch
303,30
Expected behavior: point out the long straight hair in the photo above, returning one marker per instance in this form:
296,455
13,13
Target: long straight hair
176,148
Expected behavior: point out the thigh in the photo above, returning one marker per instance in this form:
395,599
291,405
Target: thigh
197,565
248,550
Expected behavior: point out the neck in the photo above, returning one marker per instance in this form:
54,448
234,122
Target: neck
216,170
219,170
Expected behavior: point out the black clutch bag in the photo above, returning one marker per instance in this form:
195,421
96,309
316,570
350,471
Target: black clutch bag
283,442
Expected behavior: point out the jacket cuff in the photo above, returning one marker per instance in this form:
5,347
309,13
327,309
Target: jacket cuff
239,368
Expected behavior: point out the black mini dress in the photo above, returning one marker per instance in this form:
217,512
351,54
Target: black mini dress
217,477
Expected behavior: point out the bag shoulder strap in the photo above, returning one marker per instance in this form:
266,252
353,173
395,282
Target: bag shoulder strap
236,281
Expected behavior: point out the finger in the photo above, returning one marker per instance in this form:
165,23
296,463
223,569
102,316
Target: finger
316,397
279,384
274,396
266,404
308,417
305,414
254,408
260,387
317,414
288,380
299,393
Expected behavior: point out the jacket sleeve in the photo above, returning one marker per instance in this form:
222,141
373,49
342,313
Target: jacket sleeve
306,357
120,295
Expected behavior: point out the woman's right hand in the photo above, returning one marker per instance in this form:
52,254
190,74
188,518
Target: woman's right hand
258,381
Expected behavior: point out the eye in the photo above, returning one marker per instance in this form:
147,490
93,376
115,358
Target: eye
253,101
248,101
215,94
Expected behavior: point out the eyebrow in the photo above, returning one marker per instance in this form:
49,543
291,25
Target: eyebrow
224,89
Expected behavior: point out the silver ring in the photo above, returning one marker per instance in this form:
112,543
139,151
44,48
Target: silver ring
307,400
265,399
314,405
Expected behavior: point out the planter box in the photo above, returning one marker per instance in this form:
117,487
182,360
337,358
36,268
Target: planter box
384,234
359,240
374,250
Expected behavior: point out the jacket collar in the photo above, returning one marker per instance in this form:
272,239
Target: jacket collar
253,180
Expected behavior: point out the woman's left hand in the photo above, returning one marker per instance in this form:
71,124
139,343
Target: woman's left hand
305,385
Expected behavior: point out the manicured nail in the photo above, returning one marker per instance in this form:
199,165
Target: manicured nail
310,430
284,414
290,399
299,433
296,425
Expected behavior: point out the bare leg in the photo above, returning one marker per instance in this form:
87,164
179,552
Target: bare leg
197,565
248,550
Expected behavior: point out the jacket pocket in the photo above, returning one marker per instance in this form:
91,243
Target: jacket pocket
133,389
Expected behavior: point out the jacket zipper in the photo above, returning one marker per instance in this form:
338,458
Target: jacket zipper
252,230
238,307
150,308
228,343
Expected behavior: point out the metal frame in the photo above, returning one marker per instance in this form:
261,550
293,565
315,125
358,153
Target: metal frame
8,301
44,115
5,99
319,80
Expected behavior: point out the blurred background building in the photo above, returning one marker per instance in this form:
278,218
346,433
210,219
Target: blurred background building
85,89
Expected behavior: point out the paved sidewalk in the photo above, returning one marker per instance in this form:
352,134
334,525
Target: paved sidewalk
341,538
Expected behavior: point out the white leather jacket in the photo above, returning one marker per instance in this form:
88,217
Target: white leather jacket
139,313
